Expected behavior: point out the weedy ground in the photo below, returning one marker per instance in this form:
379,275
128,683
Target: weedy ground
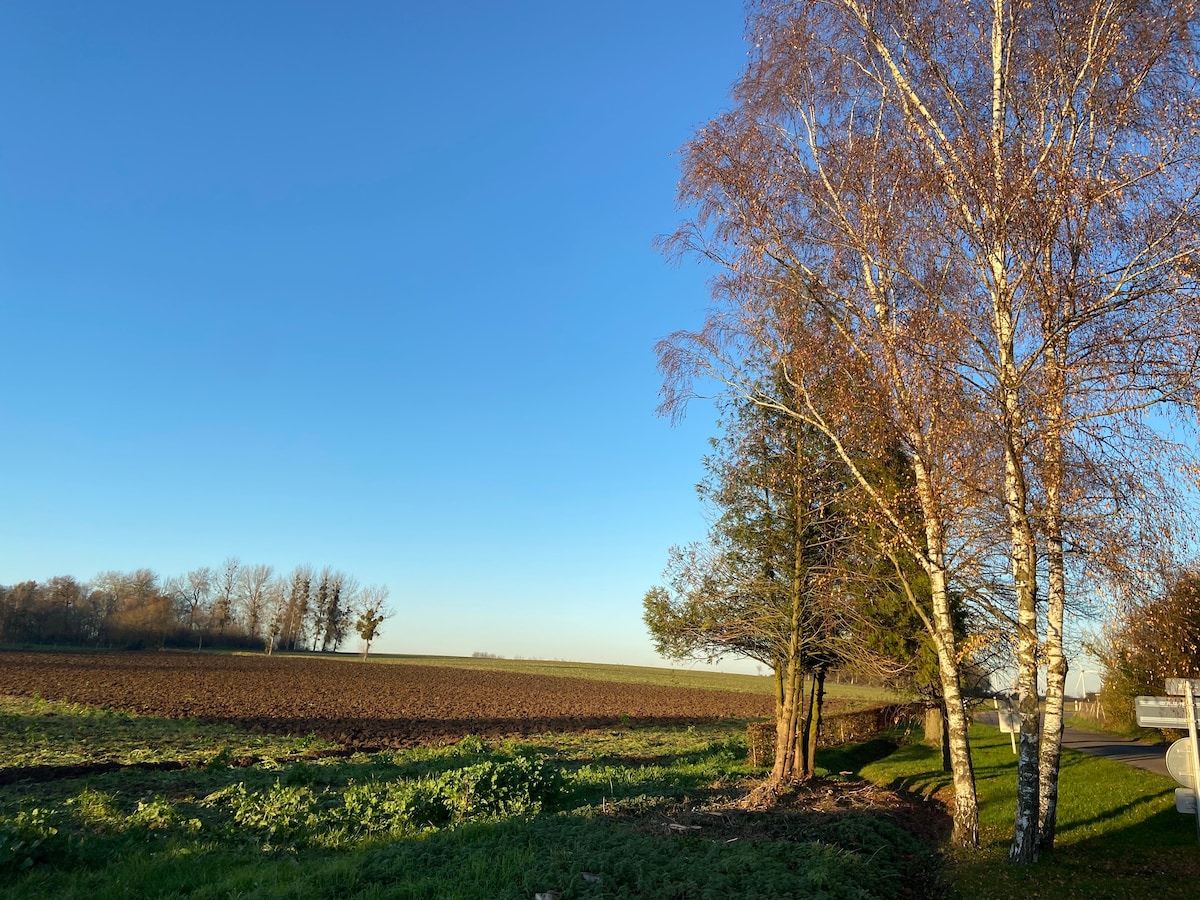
632,812
99,804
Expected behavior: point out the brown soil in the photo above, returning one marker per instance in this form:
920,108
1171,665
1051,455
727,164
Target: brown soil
358,705
837,811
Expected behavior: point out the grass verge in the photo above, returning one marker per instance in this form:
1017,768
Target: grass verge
1119,835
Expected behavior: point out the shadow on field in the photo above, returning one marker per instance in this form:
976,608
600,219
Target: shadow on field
1155,857
395,733
575,856
568,855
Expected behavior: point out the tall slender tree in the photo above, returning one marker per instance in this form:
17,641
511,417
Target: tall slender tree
993,204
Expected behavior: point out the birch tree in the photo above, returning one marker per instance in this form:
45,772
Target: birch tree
808,208
225,595
195,593
993,203
252,582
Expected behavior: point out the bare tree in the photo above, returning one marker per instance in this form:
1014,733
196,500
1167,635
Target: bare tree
372,612
252,582
804,214
297,608
275,613
225,586
194,591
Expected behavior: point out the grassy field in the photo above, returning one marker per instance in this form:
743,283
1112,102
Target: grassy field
646,812
1119,834
98,804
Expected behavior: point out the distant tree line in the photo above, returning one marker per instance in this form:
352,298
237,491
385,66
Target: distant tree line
231,606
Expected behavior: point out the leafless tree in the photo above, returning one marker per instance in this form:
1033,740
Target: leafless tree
372,612
252,582
225,586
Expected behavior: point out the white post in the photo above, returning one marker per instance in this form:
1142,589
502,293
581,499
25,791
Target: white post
1191,720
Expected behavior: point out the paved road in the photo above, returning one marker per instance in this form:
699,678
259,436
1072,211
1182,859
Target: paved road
1152,757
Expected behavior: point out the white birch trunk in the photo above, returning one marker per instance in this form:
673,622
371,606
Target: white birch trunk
962,772
1056,660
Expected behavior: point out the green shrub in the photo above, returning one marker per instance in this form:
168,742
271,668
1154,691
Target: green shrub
281,811
27,839
494,790
485,791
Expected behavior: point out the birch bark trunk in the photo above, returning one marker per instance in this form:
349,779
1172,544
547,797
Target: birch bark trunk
1023,551
962,772
1056,596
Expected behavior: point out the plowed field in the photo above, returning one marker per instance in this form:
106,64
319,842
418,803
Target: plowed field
360,705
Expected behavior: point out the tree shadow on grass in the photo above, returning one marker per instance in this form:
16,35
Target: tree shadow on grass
669,851
1155,857
646,844
371,734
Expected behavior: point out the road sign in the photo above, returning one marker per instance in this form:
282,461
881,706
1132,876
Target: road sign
1010,724
1183,757
1179,762
1161,712
1177,687
1185,800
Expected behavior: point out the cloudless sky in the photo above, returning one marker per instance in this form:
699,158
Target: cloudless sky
361,284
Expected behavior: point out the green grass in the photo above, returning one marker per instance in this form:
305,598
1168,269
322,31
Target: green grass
36,732
473,820
698,677
512,819
1119,834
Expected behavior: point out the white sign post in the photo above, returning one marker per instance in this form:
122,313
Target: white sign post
1179,764
1195,754
1010,724
1183,757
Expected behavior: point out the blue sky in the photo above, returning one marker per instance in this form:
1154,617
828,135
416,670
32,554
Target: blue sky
360,284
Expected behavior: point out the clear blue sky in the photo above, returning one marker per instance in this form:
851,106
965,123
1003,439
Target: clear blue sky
360,284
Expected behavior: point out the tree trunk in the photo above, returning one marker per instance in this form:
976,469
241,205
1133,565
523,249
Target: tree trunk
935,726
1025,827
1023,849
816,714
806,729
946,743
1022,552
1052,727
941,630
787,724
1056,659
937,733
789,749
966,803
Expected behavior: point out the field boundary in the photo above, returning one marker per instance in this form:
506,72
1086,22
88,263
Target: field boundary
837,729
